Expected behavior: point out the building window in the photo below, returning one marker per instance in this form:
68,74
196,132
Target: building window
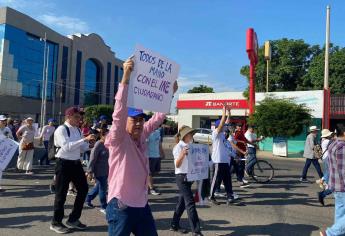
77,78
64,67
107,99
92,87
23,62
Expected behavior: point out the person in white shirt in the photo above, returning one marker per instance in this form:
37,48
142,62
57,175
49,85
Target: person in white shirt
327,137
5,131
46,133
70,144
251,147
26,135
186,199
221,159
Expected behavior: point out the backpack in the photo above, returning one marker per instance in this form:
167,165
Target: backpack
52,149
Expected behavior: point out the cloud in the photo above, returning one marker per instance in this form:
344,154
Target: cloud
41,10
65,24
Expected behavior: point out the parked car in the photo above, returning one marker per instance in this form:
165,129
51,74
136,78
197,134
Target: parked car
203,136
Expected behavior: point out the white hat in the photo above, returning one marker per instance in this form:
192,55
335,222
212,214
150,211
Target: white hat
313,128
326,133
29,118
2,117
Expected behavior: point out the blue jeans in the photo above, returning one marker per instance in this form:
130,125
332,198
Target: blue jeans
44,158
338,229
100,189
251,160
307,165
325,170
124,220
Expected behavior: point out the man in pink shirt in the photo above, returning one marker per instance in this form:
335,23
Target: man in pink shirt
127,211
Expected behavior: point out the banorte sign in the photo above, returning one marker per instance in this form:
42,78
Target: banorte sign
211,104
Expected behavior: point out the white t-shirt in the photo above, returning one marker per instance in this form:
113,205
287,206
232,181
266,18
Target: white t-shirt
220,153
324,145
47,131
183,169
251,137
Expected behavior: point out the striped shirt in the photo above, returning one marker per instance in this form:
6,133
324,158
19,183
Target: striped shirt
336,160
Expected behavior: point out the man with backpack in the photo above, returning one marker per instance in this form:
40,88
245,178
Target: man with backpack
69,143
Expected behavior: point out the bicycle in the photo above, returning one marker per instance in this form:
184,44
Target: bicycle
262,171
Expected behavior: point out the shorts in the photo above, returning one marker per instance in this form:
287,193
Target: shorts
155,165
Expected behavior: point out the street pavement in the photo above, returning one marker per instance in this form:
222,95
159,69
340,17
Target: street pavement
282,207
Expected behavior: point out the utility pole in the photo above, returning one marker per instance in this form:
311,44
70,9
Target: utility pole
45,88
42,121
268,53
326,89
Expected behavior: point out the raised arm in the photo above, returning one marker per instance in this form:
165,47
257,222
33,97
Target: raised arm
157,119
118,127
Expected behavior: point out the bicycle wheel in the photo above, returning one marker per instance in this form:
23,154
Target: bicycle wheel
263,171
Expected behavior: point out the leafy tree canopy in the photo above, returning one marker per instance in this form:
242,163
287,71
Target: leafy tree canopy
275,117
201,89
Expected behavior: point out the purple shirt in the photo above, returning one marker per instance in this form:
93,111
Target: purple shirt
128,163
336,161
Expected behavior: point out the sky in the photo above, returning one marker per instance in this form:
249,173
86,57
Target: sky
206,37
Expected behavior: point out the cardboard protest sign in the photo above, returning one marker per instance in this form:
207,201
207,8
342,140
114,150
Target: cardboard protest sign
152,80
7,149
198,158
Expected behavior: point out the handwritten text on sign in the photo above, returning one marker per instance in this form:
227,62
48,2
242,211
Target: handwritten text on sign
7,149
198,158
152,80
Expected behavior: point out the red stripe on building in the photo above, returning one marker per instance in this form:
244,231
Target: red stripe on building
211,104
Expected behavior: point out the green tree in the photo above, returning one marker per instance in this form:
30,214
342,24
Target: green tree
95,111
289,62
315,76
201,89
280,117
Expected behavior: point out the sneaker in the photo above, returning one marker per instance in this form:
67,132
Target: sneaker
76,225
89,204
321,198
59,228
71,193
103,211
244,185
214,201
303,180
320,182
29,173
219,194
245,181
154,192
230,200
235,196
178,229
52,188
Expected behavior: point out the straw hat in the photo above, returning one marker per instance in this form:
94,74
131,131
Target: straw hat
313,128
326,133
184,131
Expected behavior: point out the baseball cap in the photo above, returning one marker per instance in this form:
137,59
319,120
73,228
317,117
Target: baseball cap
132,112
73,110
51,120
29,118
2,117
103,117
